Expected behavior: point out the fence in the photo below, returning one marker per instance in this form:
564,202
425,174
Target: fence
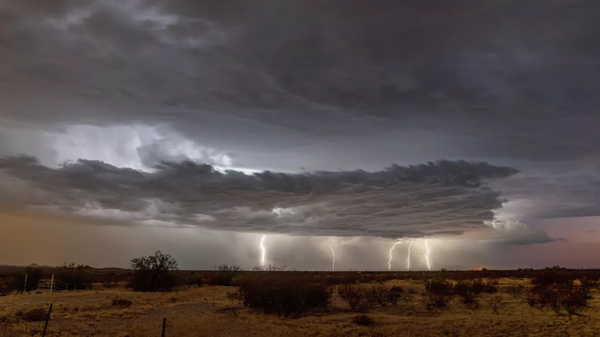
54,285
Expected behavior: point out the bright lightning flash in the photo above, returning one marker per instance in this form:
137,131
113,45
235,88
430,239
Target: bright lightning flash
427,255
391,256
408,256
333,254
262,248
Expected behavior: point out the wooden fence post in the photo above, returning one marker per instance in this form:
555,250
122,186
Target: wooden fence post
47,319
164,329
25,285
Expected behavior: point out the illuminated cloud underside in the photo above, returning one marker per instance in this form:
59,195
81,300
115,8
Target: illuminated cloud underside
444,198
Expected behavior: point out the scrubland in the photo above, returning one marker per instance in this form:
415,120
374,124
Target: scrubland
471,310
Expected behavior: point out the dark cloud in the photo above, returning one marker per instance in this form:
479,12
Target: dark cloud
302,86
442,198
501,79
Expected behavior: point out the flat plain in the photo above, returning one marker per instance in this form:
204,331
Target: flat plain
208,311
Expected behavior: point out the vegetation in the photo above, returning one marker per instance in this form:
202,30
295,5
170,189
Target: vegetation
363,320
153,272
281,294
358,296
75,275
438,293
15,281
121,302
226,273
558,291
309,297
34,315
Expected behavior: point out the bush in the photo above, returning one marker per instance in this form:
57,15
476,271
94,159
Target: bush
515,291
363,320
225,274
153,272
17,280
468,292
439,293
558,292
491,287
34,315
75,275
394,294
477,286
496,303
379,294
121,303
357,295
282,295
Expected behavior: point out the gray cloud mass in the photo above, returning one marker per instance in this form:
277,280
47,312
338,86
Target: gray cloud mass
443,198
137,94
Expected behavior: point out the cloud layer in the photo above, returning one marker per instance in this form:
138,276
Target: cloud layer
143,90
442,198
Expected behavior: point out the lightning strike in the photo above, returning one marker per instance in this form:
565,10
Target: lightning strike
391,256
333,254
427,255
262,248
408,256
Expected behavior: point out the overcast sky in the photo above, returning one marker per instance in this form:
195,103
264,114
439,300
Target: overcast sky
197,127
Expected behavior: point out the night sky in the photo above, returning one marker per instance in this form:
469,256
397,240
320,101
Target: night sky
468,127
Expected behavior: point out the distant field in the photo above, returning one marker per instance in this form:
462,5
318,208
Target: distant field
208,311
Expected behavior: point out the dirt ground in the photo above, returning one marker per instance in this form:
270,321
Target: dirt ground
207,311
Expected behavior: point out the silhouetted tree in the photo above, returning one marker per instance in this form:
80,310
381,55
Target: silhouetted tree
153,272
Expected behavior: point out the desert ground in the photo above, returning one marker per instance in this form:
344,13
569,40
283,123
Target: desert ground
208,311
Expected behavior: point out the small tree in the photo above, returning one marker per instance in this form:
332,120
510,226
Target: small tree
153,272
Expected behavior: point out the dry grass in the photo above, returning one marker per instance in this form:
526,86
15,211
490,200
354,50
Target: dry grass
207,311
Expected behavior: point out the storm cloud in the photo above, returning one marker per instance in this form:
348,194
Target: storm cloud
284,117
443,198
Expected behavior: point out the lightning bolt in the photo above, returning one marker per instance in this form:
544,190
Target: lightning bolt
333,254
390,260
408,256
264,251
427,254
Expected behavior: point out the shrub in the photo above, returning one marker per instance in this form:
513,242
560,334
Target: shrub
468,292
379,294
282,295
363,320
394,294
496,303
34,315
357,295
439,292
153,272
16,281
491,287
558,292
477,286
225,274
121,303
515,291
75,275
589,282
